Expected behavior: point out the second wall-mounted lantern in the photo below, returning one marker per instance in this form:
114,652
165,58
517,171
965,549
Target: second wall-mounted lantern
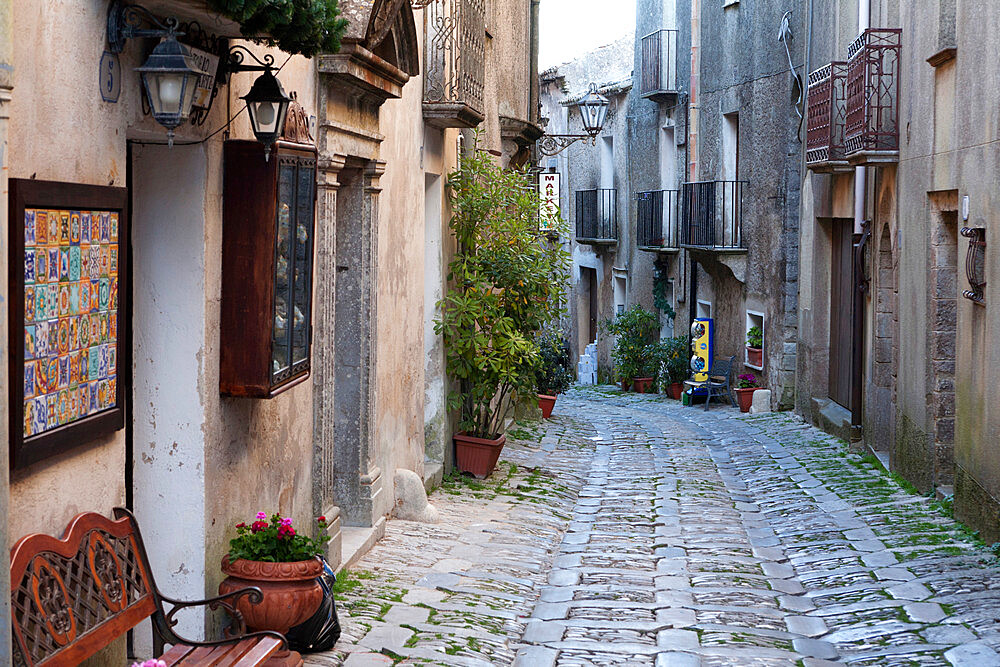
267,102
593,111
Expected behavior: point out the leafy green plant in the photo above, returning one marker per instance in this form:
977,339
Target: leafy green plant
634,330
755,337
554,374
670,358
305,27
507,283
275,540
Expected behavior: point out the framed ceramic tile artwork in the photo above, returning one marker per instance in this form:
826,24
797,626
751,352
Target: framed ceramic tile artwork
69,338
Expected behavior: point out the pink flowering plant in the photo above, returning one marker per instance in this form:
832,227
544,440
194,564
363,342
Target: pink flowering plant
747,381
150,663
275,540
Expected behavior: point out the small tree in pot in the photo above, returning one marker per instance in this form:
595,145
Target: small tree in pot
506,284
554,375
634,330
671,359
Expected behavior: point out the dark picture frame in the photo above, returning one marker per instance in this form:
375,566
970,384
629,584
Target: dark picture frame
26,194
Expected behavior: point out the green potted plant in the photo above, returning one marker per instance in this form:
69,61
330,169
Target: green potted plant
746,385
270,554
671,358
755,345
634,329
554,375
506,284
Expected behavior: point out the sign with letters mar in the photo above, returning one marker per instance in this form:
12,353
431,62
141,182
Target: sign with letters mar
548,213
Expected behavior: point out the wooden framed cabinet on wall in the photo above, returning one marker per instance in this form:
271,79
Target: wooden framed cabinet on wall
267,263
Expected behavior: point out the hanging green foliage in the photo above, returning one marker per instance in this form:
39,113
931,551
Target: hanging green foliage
305,27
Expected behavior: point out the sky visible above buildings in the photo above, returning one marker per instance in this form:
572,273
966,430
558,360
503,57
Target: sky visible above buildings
570,28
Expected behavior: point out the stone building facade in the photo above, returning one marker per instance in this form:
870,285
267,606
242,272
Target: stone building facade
190,461
920,215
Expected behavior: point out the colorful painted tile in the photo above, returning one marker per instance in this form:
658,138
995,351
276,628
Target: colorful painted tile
29,342
29,380
104,327
29,265
63,406
74,404
41,228
64,228
63,372
83,401
29,227
74,298
95,326
74,263
41,331
74,333
105,260
38,415
84,363
64,264
112,392
52,374
105,399
105,228
29,303
63,335
113,266
94,362
94,271
95,228
41,265
95,296
74,369
29,417
83,297
63,307
53,234
94,397
105,293
84,262
53,337
113,297
85,223
74,228
112,327
113,227
112,360
52,410
41,309
53,265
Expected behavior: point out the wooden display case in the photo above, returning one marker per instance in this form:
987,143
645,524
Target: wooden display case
267,260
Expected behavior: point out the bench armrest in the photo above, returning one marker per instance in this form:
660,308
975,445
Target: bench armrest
228,602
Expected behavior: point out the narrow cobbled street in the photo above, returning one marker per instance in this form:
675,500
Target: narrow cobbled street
628,530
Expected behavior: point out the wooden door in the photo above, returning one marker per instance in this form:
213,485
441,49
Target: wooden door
841,312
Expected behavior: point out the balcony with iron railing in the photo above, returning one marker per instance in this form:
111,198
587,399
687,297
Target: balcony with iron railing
597,216
656,217
712,215
658,75
455,60
826,116
871,133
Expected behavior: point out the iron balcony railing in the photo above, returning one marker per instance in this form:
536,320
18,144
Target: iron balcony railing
656,212
826,116
659,64
712,214
871,132
597,216
455,62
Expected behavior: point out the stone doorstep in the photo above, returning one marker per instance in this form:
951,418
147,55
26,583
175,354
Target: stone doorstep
356,541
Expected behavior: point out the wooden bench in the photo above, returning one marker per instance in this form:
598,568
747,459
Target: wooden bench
73,596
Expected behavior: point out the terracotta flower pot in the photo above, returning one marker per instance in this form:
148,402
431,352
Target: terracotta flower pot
478,456
291,592
755,356
642,385
546,403
674,390
745,398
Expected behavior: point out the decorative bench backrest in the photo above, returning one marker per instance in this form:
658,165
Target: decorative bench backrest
73,596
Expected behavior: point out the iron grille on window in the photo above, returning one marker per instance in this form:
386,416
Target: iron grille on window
455,62
975,264
596,216
827,114
872,127
657,219
659,63
712,214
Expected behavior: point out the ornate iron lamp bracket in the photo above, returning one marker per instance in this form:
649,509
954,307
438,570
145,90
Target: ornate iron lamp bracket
125,22
552,144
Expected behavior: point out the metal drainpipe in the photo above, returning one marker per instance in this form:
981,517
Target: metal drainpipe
861,173
694,149
533,111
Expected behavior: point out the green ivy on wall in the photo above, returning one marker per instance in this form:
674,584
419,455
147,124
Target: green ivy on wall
305,27
660,282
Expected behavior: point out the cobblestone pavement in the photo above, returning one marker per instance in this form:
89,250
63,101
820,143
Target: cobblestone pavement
628,530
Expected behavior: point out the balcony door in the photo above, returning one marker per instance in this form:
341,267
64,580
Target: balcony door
842,312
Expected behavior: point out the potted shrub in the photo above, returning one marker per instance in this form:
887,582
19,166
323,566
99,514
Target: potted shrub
634,330
271,555
746,385
506,284
671,357
553,375
755,342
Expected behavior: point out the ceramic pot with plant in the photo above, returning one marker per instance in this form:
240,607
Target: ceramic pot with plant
554,375
670,356
755,344
506,286
270,554
634,330
746,385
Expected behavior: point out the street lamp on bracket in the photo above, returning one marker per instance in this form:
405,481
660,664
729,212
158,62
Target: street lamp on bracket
267,102
593,111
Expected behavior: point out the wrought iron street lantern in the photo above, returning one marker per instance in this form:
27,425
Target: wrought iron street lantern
267,102
170,77
593,111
